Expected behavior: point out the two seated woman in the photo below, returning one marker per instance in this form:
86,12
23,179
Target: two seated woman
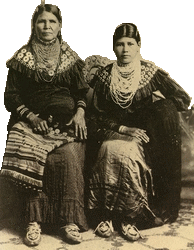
132,126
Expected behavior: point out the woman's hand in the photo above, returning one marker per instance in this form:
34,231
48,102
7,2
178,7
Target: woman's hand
38,125
80,124
138,133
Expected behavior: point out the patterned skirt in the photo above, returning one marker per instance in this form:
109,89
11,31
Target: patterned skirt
121,180
48,175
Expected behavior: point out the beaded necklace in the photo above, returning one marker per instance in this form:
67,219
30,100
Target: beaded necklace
47,58
124,82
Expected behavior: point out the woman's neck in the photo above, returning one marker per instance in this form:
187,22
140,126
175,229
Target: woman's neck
120,64
46,42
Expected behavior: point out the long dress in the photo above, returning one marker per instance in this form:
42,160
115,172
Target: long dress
56,193
132,179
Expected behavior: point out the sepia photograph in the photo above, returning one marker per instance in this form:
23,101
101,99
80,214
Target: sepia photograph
97,125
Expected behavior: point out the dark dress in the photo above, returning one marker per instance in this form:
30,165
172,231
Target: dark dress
61,199
121,179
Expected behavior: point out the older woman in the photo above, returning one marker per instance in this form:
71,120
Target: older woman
135,115
45,152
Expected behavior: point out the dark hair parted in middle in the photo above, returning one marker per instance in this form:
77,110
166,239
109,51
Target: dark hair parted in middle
49,8
126,30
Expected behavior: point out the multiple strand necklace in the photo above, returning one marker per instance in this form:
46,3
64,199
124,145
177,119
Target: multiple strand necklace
47,58
124,82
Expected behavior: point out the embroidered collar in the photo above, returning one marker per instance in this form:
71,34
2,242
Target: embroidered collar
148,71
67,57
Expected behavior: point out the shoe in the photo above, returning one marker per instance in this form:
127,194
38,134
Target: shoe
158,222
33,234
169,215
130,232
71,233
104,229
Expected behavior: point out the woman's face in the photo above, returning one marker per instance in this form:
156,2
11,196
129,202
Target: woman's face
47,26
126,49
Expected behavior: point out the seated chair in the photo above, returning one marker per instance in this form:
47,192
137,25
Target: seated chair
93,63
